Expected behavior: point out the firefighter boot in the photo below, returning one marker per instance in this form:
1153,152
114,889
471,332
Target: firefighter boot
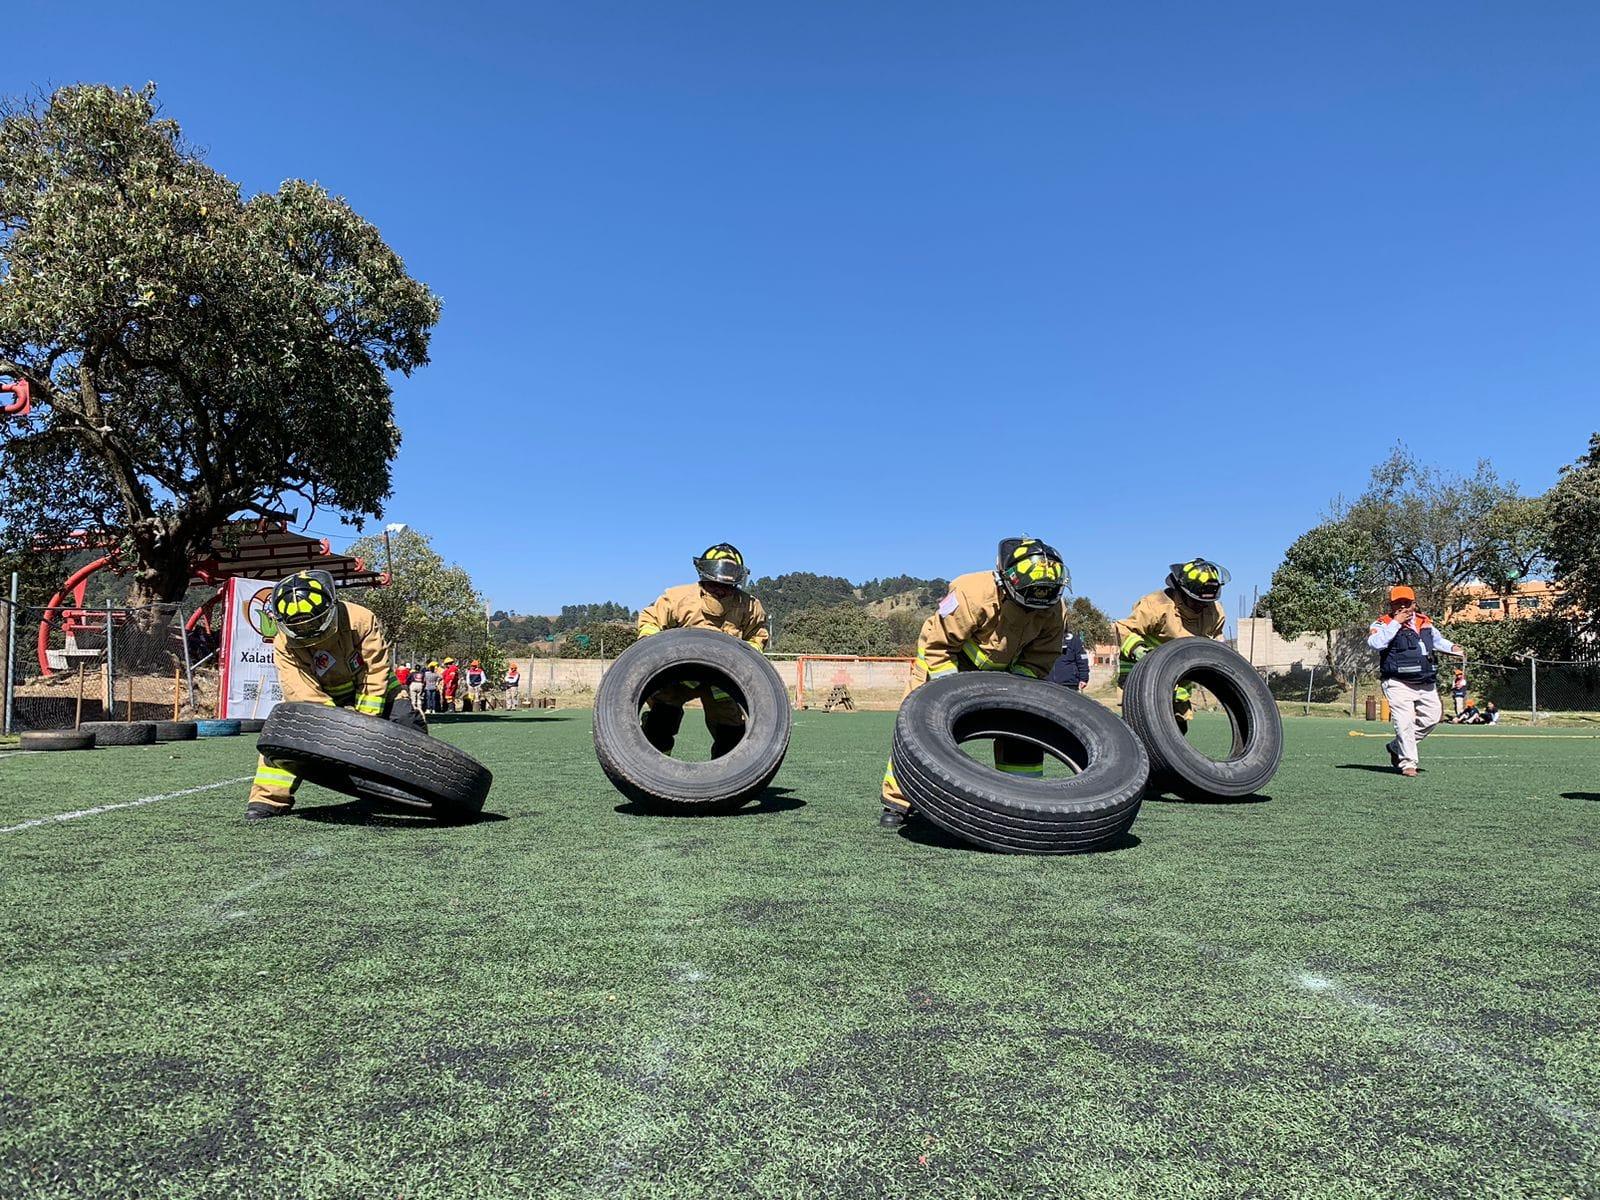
724,738
660,724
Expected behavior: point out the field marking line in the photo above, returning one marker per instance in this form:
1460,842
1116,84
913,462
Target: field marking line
1536,737
105,808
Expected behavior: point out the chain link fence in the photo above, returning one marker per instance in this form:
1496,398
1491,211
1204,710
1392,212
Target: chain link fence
63,666
1531,690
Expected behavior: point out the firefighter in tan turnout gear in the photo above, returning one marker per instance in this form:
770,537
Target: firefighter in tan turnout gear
1186,607
327,651
1008,619
716,602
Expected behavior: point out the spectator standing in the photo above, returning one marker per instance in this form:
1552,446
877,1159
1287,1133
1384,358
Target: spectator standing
1458,691
430,686
1406,642
1072,668
414,687
449,682
475,678
513,685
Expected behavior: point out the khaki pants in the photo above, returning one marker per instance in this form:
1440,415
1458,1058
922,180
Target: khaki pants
1415,709
1011,756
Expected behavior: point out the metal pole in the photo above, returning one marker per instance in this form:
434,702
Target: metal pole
1255,599
1533,665
1355,692
188,667
111,670
1311,682
11,652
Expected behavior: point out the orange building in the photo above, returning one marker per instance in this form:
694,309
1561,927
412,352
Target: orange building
1481,602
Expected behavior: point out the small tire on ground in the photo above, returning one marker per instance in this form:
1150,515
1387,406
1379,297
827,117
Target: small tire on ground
120,733
1175,765
1086,811
373,758
54,739
252,724
220,728
652,779
176,731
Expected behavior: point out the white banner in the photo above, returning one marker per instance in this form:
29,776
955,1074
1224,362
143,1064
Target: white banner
249,679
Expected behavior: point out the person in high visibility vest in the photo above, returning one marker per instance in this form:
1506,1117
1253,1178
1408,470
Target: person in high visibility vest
1186,607
715,602
327,651
513,686
1406,642
1008,619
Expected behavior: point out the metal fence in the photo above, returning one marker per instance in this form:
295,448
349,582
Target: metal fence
63,666
1530,689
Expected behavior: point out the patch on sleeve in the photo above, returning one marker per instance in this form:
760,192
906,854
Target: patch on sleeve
948,604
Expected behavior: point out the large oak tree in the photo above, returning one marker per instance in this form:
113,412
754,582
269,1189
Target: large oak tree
193,354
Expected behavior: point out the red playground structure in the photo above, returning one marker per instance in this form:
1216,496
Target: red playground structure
252,549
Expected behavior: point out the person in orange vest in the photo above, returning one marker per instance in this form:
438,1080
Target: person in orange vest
1406,642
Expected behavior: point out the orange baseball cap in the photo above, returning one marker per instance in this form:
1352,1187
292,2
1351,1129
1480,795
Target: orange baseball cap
1401,592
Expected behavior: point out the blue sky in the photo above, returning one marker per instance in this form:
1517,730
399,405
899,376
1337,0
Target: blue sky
864,287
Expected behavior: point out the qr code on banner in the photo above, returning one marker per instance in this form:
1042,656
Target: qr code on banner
252,690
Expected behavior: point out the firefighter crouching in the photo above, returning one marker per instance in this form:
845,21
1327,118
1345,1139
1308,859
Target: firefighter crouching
327,651
1008,619
715,602
1186,607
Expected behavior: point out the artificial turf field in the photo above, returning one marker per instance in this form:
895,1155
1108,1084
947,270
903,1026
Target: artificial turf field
1359,986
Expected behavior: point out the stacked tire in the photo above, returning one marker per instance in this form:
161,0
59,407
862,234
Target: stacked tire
652,779
374,759
1089,810
120,733
1176,766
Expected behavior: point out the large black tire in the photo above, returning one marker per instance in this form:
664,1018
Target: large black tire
1176,766
176,731
1004,812
58,739
645,775
348,752
120,733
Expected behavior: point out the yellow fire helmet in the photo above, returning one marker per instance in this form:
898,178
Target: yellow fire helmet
1031,572
304,605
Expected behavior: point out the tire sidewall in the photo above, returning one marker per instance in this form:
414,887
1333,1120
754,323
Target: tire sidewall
1179,766
629,758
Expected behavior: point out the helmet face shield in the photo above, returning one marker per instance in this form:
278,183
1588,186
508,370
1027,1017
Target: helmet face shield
1199,579
1031,573
722,563
305,606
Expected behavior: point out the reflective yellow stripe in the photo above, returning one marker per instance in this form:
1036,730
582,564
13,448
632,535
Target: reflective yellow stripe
979,659
648,628
934,672
370,705
1024,669
1132,643
274,777
341,689
1020,768
718,694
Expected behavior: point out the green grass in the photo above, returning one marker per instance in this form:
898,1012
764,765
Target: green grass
1363,986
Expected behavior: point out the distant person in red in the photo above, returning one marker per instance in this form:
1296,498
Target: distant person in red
403,674
449,681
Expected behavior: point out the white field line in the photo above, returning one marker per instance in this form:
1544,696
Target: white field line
105,808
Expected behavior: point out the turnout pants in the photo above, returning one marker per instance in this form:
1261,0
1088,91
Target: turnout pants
275,787
1415,709
1011,756
663,718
